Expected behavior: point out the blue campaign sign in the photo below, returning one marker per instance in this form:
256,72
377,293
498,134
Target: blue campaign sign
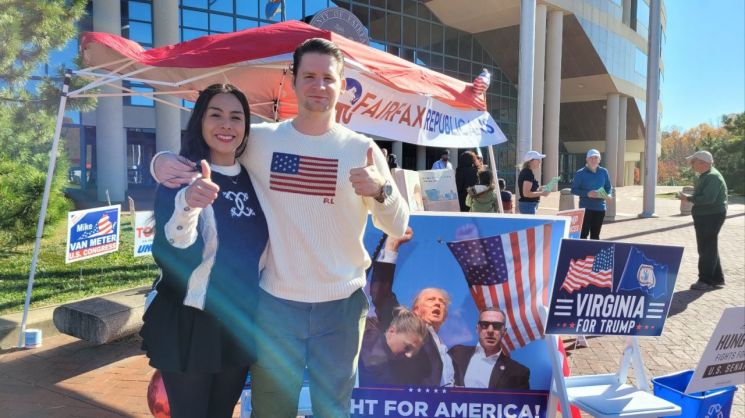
92,232
480,261
608,288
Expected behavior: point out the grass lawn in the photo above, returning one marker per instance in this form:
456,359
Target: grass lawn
57,282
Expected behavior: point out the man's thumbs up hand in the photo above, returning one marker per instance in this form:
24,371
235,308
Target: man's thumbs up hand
367,180
203,191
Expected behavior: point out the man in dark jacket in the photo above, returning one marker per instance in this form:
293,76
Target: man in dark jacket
709,211
487,365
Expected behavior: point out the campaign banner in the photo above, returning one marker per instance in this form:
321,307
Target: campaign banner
144,226
448,402
577,216
92,232
609,288
370,107
479,282
439,191
723,361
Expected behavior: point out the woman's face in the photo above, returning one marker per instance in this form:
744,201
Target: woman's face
223,128
535,164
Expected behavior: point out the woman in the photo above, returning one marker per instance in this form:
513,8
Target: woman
592,184
483,196
466,175
530,195
198,330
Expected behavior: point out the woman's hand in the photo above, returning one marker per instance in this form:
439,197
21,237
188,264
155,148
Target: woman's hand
203,191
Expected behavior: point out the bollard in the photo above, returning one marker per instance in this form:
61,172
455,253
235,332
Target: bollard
686,206
566,199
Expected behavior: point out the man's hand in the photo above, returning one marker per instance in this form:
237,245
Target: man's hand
203,191
367,180
392,244
173,170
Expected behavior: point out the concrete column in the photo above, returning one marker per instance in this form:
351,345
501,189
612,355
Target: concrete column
111,140
397,147
554,30
421,158
525,78
167,118
642,167
539,75
621,160
651,121
611,135
454,154
611,148
626,13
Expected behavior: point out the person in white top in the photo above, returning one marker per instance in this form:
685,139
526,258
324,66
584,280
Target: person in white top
487,365
443,162
316,181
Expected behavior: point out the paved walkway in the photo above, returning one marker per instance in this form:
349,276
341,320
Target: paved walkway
71,378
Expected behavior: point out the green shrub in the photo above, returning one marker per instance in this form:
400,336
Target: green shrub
21,191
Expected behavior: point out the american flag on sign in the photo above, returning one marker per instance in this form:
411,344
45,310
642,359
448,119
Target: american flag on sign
303,175
510,272
591,270
103,227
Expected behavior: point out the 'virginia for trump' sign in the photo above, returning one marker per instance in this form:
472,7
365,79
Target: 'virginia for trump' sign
608,288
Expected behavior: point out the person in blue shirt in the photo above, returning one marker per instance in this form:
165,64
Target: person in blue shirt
444,161
586,184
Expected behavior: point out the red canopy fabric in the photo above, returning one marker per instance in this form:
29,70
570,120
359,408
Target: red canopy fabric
238,53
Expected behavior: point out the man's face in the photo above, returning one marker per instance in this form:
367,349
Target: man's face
432,307
317,83
489,336
445,157
403,344
593,162
699,166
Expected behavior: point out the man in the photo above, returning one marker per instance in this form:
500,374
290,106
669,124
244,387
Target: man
587,184
709,211
486,365
432,366
443,162
311,307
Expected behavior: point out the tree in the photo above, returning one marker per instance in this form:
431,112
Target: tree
29,31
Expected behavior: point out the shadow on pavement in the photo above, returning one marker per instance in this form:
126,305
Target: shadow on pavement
682,299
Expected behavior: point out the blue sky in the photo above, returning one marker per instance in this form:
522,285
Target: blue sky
704,58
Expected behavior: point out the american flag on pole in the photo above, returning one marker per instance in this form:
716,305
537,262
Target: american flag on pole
592,270
303,175
510,272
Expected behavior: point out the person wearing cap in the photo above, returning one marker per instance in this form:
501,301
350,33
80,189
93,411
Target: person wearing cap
709,211
586,183
530,195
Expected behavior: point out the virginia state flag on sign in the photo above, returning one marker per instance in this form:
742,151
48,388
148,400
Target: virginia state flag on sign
644,274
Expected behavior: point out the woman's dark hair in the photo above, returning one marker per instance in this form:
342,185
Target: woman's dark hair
502,184
193,145
486,178
319,46
469,159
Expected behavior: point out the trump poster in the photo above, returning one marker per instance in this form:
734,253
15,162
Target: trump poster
609,288
92,232
144,233
477,284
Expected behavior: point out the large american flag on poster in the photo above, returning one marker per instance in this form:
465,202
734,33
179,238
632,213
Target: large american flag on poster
510,272
303,175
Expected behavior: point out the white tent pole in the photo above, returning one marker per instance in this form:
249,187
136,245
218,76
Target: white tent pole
496,179
44,203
